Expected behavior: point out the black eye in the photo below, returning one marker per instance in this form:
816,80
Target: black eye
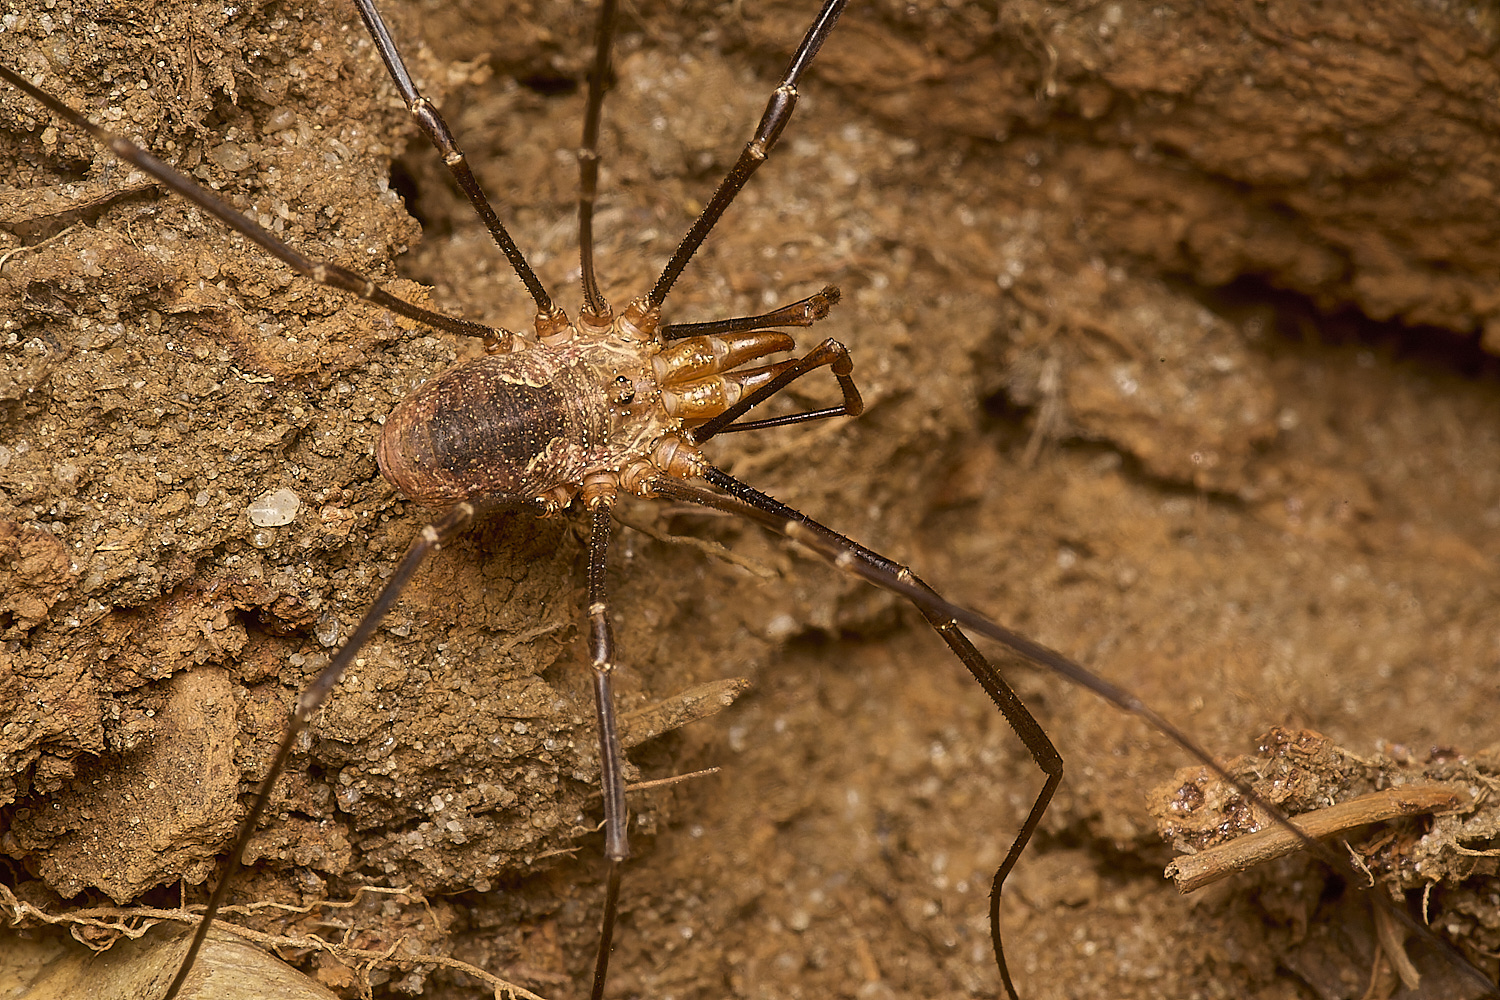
623,392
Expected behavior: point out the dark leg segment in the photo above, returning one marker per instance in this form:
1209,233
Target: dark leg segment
309,701
611,757
432,123
320,271
1037,744
595,309
777,114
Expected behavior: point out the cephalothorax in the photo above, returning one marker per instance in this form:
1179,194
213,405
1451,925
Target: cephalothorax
590,413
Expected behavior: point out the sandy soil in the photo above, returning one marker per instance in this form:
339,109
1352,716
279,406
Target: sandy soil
1172,323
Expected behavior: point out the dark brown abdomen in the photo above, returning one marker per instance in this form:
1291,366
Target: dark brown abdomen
497,431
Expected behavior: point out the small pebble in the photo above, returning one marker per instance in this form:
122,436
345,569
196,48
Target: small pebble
274,508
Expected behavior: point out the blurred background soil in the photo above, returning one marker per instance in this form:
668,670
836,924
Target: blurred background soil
1177,328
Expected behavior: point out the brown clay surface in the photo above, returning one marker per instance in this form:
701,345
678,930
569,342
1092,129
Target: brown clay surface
1112,279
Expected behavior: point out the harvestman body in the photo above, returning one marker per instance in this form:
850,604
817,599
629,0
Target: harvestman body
583,412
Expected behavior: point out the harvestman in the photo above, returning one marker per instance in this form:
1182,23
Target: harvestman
580,413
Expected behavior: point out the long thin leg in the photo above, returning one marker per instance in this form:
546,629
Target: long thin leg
874,568
595,308
1006,700
432,123
319,270
777,114
611,757
1026,727
1031,735
309,701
